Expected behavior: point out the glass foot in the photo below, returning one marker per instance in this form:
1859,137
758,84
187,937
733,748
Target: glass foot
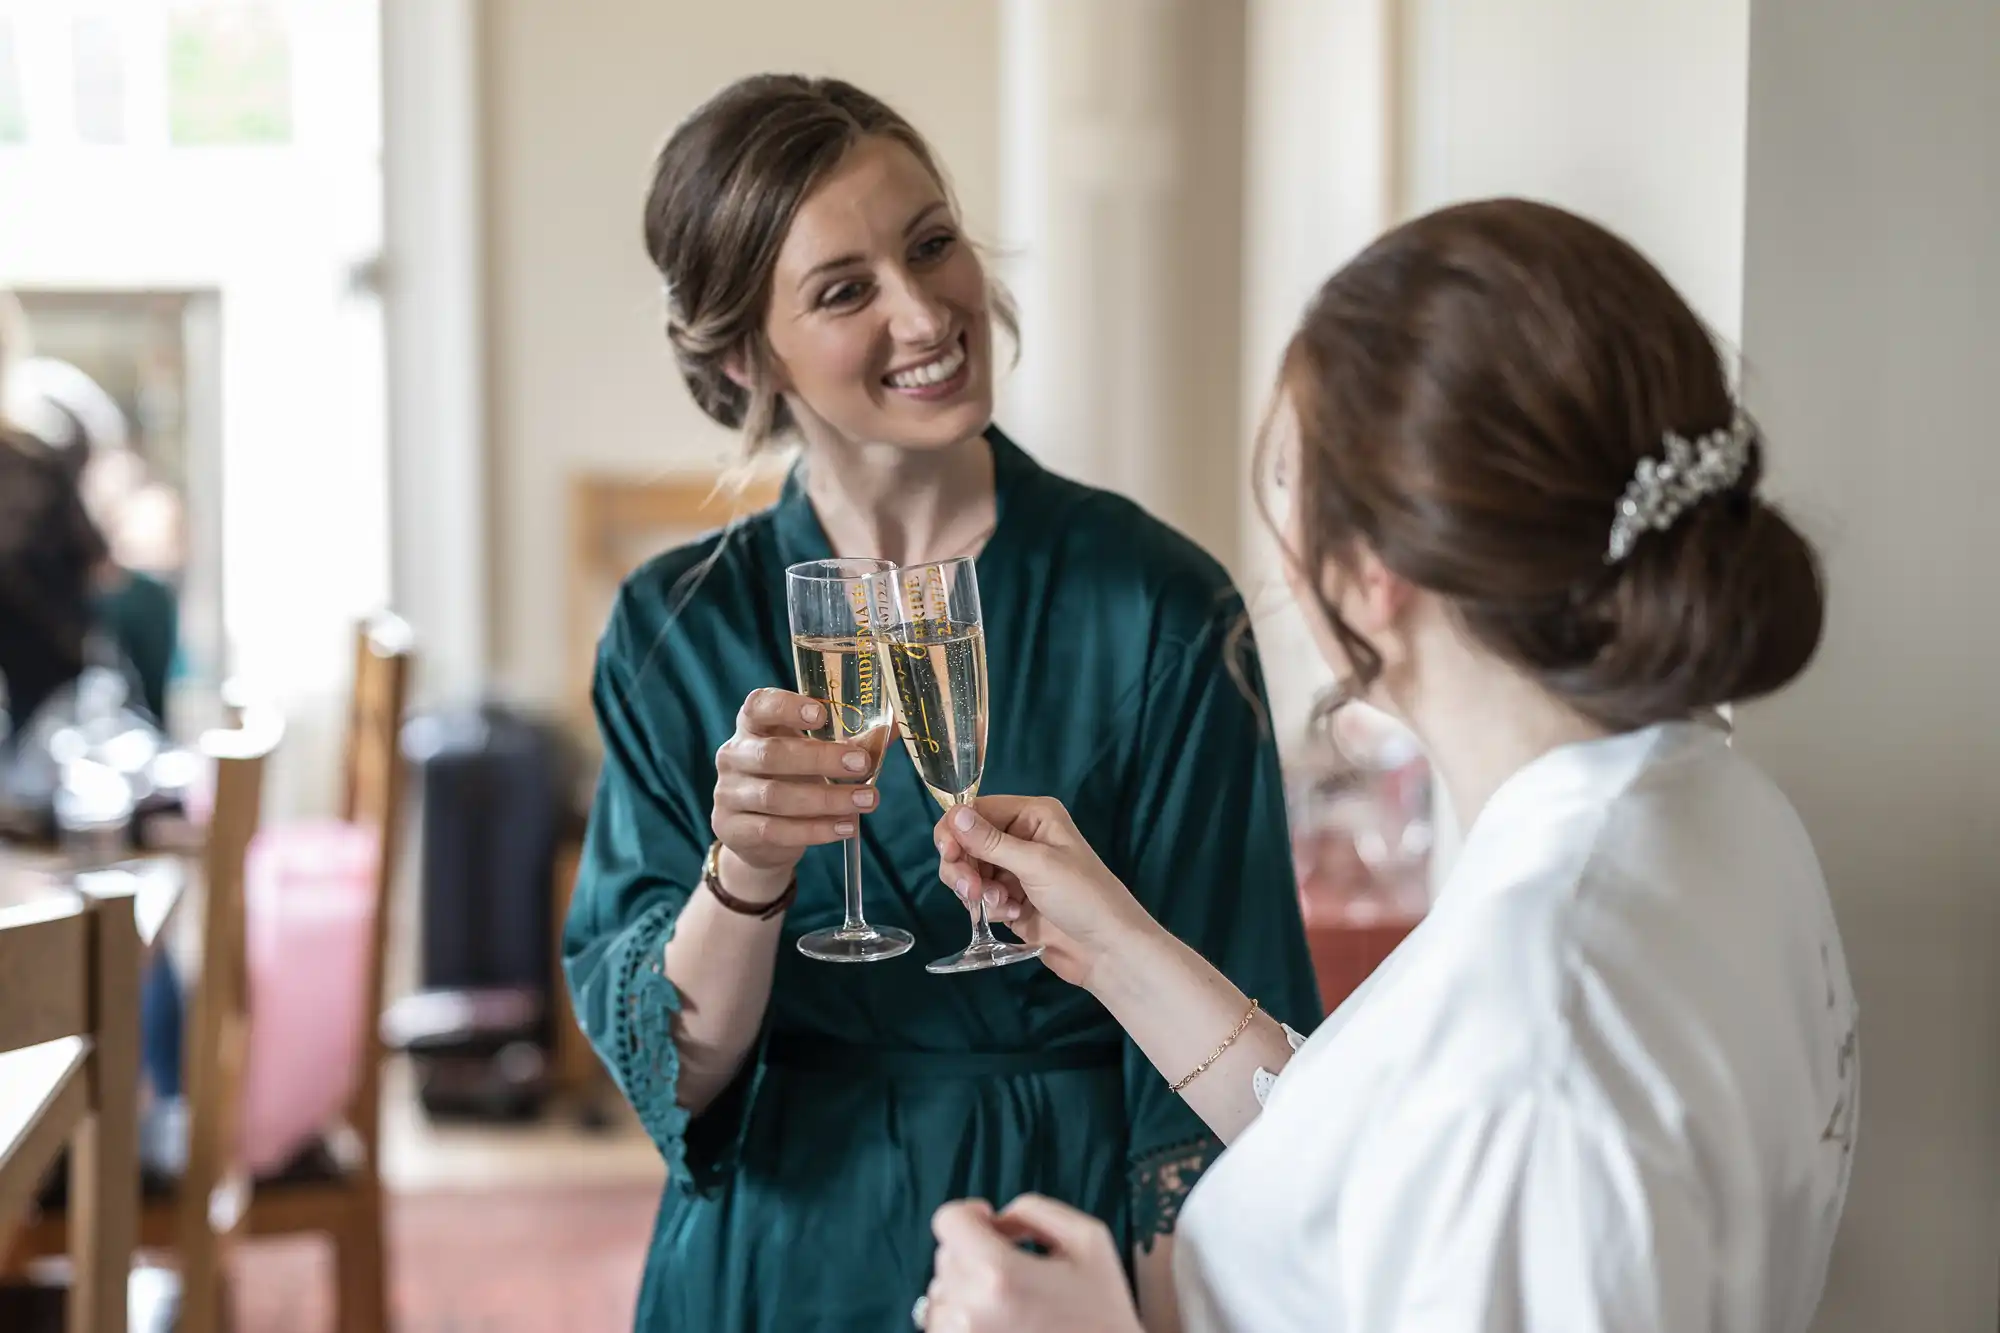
982,954
856,944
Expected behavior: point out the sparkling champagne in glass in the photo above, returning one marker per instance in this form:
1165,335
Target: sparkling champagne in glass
931,634
833,647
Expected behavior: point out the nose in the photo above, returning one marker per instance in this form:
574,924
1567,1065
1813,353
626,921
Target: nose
917,315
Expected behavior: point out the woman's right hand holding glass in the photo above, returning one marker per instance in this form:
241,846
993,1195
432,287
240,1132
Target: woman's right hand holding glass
1174,1004
779,791
1041,878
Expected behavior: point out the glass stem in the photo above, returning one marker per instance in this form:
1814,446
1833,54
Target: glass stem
981,932
854,921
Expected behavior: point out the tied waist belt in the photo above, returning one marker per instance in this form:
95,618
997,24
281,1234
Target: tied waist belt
823,1055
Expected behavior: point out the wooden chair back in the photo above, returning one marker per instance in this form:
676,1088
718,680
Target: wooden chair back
69,1075
213,1191
373,792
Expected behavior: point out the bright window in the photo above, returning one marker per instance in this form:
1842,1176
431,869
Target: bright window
229,74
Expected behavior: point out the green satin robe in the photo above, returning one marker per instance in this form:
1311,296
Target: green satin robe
801,1199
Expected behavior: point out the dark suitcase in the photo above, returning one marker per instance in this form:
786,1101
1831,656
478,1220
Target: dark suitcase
494,785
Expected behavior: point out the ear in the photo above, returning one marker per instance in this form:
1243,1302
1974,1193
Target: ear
1373,599
737,366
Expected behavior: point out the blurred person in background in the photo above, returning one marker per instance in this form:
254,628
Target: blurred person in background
821,291
63,600
136,611
51,553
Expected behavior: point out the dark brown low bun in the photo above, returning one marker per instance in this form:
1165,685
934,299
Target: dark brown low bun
1724,607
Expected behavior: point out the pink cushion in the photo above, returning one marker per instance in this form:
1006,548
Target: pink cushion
310,916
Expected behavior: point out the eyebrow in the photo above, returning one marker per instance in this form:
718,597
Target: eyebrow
842,261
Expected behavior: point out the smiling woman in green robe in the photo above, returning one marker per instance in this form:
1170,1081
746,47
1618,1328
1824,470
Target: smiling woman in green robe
813,1116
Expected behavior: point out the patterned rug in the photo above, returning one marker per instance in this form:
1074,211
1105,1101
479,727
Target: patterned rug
529,1260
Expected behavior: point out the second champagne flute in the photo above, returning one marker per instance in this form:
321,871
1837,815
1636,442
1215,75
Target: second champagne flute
834,649
931,632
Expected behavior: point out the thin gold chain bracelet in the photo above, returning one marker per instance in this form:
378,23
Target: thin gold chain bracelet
1216,1054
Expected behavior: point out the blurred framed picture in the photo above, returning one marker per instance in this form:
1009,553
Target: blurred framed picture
616,524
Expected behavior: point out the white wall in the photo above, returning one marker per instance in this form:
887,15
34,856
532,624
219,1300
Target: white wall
1872,335
1318,186
435,339
1629,112
1122,157
578,97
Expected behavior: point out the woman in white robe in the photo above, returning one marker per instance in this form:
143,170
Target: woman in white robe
1611,1081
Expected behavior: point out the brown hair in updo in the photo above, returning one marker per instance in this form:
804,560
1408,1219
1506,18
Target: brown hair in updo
1473,393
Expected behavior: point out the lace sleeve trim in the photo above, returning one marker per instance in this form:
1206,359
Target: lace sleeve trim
1263,1080
641,1046
1160,1182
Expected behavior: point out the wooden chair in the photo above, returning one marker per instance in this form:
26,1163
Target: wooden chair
193,1213
197,1215
342,1195
69,1068
334,1186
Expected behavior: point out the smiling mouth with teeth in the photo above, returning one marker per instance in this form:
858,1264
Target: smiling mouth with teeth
931,373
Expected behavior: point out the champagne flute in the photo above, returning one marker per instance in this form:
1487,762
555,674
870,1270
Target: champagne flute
930,632
833,647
